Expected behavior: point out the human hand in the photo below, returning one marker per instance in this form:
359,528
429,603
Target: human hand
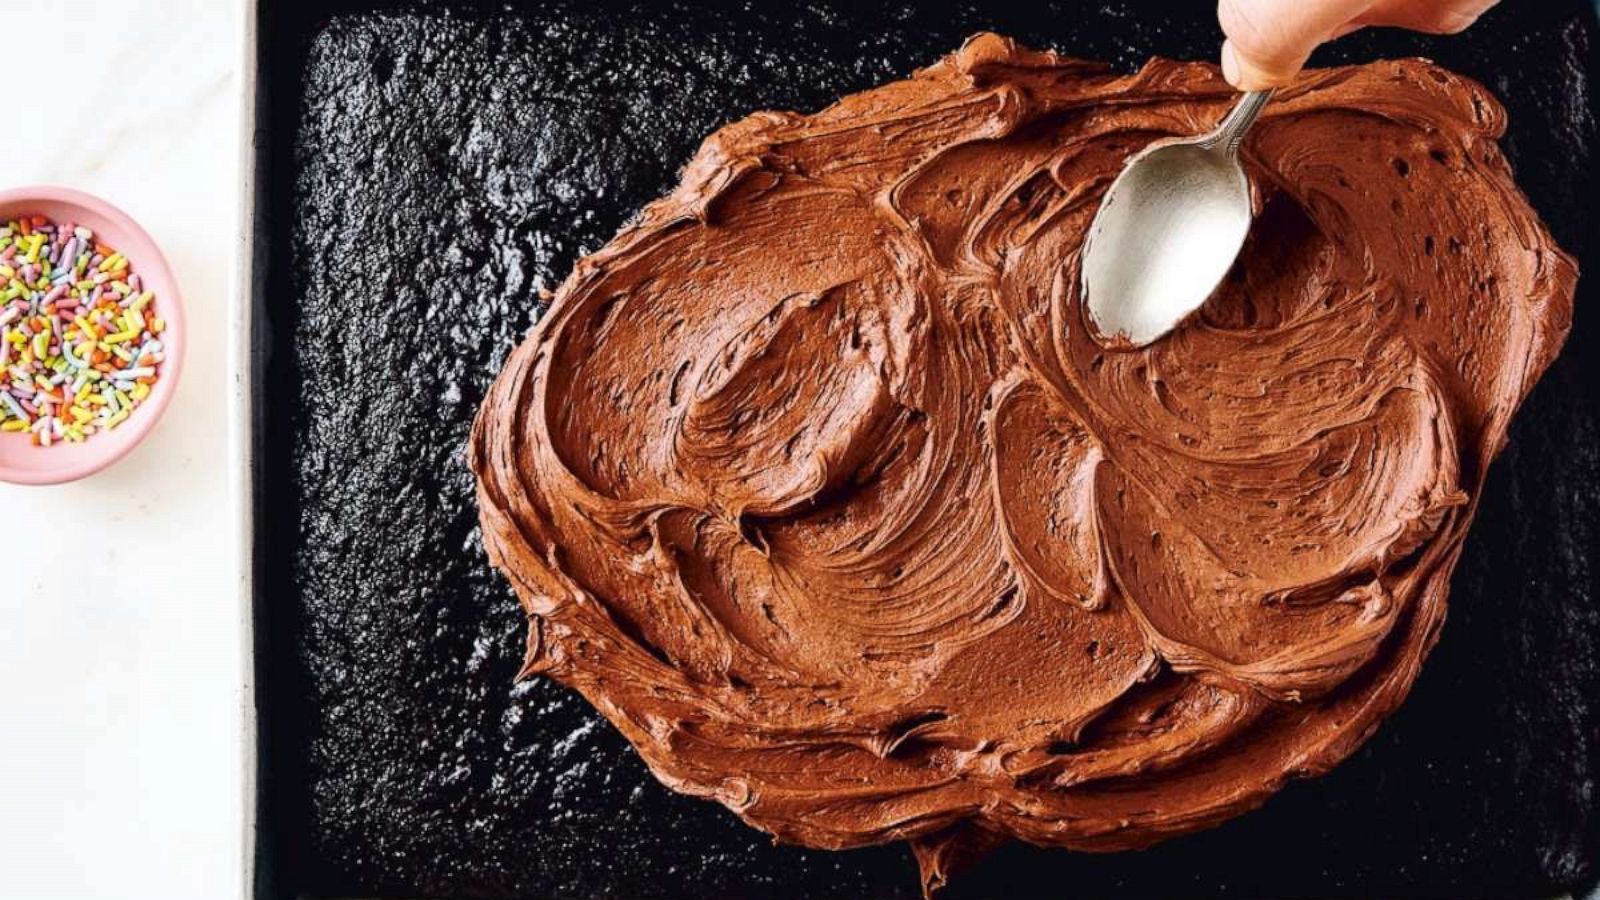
1269,40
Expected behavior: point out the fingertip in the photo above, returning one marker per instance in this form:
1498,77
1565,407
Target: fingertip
1230,63
1244,74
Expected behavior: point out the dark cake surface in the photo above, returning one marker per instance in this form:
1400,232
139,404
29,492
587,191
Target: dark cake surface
429,171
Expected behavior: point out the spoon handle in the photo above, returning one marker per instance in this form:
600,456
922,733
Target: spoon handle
1230,131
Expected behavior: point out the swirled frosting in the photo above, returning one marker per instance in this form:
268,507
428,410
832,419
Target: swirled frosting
816,485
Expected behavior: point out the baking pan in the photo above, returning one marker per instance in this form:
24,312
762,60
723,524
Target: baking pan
425,170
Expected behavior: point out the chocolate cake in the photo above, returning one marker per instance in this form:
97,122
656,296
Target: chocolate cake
447,161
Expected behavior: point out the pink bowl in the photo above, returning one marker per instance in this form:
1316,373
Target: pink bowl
20,461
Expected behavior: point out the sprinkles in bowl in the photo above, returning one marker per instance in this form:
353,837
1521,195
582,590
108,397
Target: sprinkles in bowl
80,345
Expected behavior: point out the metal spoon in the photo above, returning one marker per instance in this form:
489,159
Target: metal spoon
1168,229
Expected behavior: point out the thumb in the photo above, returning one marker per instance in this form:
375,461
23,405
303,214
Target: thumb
1269,40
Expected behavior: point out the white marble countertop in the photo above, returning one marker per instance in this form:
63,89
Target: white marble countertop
122,684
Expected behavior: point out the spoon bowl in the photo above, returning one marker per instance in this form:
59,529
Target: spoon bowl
1167,231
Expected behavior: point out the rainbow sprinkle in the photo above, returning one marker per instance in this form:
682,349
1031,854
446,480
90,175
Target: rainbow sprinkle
79,345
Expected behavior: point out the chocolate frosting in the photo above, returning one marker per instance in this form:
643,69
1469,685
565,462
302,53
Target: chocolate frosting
814,482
